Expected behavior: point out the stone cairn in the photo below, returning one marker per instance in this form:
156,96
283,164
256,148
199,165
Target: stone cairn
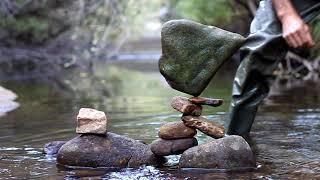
177,137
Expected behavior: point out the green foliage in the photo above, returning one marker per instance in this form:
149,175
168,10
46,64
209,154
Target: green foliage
213,12
33,27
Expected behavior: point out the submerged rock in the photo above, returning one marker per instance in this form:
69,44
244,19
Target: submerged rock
184,106
106,151
225,153
52,148
202,124
192,53
176,130
91,121
162,147
206,101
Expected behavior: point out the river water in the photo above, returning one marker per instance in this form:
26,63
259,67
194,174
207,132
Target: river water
285,136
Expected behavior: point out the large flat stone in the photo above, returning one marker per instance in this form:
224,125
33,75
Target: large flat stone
192,53
91,121
176,130
230,152
113,150
186,107
163,147
202,124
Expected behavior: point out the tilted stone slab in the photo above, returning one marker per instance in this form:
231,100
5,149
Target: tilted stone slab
202,124
192,53
206,101
186,107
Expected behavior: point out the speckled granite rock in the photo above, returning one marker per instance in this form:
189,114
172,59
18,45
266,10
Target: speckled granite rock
91,121
230,152
192,53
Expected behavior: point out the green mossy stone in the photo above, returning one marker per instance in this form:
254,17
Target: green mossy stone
192,53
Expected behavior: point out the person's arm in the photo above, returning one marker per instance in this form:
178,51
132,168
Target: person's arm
295,31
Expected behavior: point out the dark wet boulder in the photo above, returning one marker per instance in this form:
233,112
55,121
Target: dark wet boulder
163,147
192,53
211,129
230,152
176,130
111,150
52,148
186,107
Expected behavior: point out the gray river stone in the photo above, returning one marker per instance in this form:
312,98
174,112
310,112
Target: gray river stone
230,152
163,147
192,53
112,150
52,148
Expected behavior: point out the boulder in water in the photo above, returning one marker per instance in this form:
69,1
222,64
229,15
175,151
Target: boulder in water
112,150
230,152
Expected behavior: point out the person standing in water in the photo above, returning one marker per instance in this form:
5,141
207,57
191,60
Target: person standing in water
278,25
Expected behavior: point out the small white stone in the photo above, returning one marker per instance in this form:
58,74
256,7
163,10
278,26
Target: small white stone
91,121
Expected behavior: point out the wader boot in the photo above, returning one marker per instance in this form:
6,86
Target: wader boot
260,55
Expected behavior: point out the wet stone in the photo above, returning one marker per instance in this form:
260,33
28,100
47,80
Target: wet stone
184,106
192,53
111,150
202,124
163,147
230,152
206,101
176,130
91,121
52,148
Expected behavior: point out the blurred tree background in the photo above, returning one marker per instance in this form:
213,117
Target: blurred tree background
45,37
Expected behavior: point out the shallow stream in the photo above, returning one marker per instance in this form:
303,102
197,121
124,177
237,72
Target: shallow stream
285,136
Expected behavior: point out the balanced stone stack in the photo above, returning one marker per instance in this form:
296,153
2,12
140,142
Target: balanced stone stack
176,137
95,147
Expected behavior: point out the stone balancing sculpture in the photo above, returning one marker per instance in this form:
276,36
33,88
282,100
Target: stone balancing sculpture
192,53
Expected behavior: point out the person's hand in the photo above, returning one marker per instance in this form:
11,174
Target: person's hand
296,32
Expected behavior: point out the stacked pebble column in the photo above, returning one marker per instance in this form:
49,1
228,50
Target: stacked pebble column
176,137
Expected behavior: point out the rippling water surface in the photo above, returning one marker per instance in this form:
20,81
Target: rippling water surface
285,136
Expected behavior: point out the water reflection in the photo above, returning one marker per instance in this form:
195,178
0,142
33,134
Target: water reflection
285,136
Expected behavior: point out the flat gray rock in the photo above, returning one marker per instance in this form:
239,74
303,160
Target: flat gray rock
230,152
112,150
192,53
